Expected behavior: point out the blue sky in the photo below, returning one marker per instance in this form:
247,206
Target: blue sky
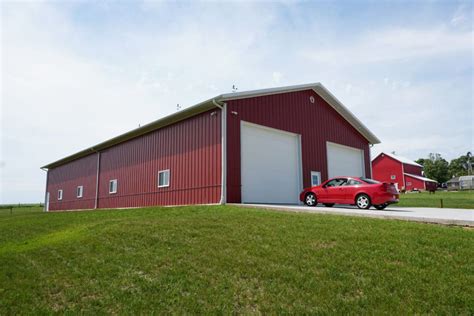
76,73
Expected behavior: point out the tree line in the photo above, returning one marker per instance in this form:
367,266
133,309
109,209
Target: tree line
437,168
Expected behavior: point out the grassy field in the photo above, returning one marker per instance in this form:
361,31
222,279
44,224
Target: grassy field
224,259
461,199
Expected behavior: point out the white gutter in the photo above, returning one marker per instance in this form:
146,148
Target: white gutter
46,202
224,150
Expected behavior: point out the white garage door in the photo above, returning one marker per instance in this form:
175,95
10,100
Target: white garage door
345,161
270,165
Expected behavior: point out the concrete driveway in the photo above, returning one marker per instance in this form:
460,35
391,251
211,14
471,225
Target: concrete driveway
447,216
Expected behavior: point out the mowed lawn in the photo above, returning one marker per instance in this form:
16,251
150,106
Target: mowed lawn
460,199
226,259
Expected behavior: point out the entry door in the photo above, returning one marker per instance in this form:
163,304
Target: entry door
270,165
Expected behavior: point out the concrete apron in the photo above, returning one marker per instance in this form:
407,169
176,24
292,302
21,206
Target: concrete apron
445,216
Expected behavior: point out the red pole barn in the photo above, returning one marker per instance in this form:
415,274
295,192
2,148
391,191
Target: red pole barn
403,172
261,146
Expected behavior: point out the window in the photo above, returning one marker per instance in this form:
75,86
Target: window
164,178
79,191
393,177
315,178
353,182
335,183
113,186
60,195
369,181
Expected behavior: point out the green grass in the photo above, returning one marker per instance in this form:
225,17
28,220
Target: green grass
7,210
226,259
461,199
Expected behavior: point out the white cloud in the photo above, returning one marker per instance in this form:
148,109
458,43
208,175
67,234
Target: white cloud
395,44
460,17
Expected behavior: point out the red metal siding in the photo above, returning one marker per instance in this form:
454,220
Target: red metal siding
67,178
411,169
316,122
413,183
191,149
383,167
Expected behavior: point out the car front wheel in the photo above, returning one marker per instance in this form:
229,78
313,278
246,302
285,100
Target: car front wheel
363,201
310,199
381,206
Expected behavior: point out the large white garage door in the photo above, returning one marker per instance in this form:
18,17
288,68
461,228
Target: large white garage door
345,161
270,165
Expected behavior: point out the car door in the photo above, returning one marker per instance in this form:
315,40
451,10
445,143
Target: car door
349,190
331,192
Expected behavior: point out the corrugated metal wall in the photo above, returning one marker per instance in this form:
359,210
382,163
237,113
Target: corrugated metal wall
414,183
411,169
190,149
67,178
316,122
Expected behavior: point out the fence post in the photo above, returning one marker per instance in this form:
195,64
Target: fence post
441,203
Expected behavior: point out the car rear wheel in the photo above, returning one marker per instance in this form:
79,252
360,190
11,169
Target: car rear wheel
329,204
363,201
381,206
310,199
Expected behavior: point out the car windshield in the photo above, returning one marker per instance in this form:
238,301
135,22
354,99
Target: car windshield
370,181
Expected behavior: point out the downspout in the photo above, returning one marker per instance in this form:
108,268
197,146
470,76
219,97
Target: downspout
370,161
403,177
223,108
46,209
97,180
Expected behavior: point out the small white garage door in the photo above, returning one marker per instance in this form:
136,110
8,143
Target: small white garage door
345,161
270,165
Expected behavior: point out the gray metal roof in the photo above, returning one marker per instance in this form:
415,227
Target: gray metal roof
209,104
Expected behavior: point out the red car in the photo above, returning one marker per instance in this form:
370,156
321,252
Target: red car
362,192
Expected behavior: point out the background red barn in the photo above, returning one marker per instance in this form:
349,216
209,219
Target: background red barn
405,173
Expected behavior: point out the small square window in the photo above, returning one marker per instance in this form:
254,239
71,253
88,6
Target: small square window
393,177
60,195
79,191
164,178
113,186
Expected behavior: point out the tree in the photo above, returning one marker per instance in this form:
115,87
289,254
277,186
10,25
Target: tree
435,167
461,166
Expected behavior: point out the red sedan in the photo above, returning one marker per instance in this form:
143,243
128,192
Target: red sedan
362,192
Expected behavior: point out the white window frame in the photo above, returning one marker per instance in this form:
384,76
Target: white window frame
169,176
393,177
318,173
60,195
114,187
79,191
